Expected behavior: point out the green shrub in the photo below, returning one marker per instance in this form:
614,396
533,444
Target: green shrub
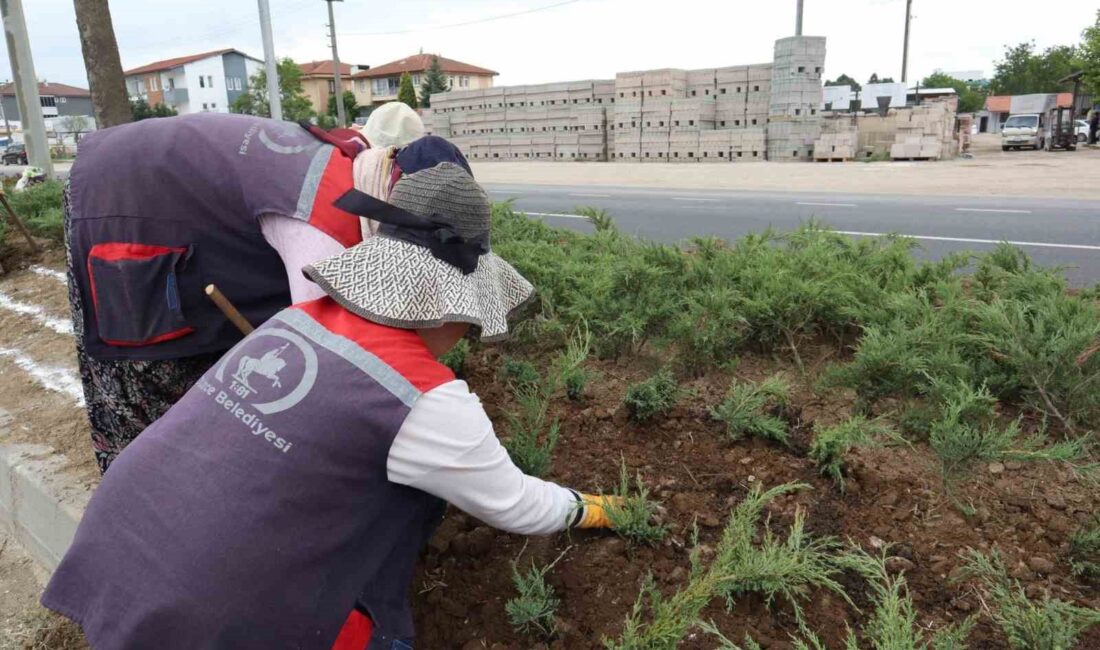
831,444
569,366
532,439
657,622
1049,625
40,208
519,374
532,611
1084,550
634,519
654,396
745,409
455,359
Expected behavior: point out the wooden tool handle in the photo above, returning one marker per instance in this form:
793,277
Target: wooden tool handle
229,310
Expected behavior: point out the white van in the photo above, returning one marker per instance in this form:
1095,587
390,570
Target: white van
1024,130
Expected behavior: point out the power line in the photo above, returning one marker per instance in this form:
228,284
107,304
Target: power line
464,24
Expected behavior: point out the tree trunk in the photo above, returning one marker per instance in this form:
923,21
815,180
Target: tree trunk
97,39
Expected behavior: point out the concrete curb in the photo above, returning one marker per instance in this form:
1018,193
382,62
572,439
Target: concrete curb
36,505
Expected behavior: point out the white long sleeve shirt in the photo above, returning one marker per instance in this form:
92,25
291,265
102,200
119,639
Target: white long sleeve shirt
446,446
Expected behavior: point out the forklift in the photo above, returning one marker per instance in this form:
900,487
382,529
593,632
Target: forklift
1060,121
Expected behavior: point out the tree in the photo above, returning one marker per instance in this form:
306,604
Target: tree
434,82
351,107
1023,70
875,80
971,98
254,101
75,124
405,92
110,101
140,110
845,80
1090,57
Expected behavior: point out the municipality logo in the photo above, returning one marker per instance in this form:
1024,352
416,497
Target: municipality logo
265,370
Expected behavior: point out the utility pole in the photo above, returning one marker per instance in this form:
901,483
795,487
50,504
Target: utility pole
26,85
341,118
274,95
110,100
905,50
798,20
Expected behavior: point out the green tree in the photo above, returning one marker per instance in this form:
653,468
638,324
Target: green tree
875,80
141,110
1023,70
296,105
845,80
406,93
434,82
351,107
1090,57
971,98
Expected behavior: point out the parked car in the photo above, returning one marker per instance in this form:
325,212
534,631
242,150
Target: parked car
15,154
1023,131
1082,128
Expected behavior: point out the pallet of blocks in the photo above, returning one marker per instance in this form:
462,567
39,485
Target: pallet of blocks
749,144
683,146
835,147
567,146
927,134
716,146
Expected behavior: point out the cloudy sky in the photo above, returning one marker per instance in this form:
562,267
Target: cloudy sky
532,41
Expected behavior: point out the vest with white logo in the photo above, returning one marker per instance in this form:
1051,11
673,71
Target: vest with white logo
162,207
254,512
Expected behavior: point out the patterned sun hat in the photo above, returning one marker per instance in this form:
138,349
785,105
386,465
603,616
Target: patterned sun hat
430,262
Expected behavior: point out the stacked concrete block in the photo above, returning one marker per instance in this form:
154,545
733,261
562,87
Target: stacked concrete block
566,146
654,147
836,146
657,114
702,83
716,145
749,145
669,83
729,113
494,98
693,114
628,87
683,146
627,115
519,147
793,121
603,92
627,145
925,132
542,147
732,81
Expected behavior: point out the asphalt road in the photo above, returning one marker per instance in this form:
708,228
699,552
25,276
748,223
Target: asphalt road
1054,232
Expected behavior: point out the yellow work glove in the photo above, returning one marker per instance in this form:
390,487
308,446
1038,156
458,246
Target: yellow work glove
594,510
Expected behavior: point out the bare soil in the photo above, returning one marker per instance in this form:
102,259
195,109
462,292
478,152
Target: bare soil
990,172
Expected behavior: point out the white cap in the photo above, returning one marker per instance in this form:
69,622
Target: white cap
393,124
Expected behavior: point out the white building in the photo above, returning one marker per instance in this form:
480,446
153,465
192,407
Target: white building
210,81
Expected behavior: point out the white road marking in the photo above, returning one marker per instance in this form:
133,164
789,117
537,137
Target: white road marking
686,198
49,273
966,240
35,312
59,380
555,214
593,196
993,210
828,205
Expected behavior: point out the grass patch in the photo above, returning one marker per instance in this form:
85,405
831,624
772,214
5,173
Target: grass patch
634,518
40,208
746,410
455,359
652,397
519,374
1051,624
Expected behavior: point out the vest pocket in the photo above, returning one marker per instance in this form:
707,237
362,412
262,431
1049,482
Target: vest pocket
135,293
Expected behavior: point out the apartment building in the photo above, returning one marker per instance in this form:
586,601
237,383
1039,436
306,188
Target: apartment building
209,81
319,83
58,100
382,82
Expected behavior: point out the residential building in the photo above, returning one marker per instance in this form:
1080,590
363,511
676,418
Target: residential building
58,100
383,81
319,83
210,81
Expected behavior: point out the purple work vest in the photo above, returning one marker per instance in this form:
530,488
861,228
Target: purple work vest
254,512
162,207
